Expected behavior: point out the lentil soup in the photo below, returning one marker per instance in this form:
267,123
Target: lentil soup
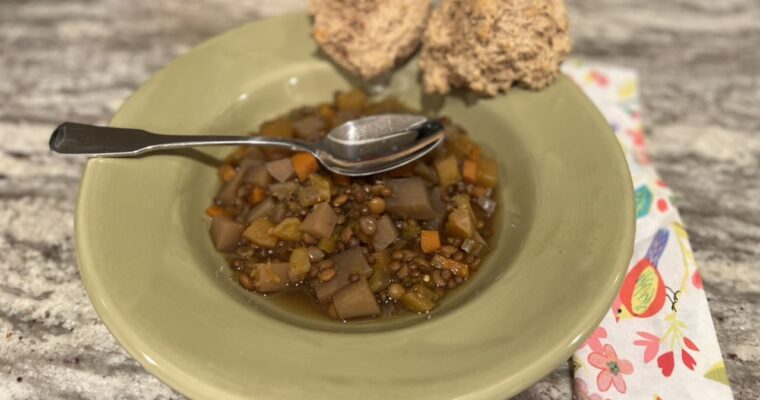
353,248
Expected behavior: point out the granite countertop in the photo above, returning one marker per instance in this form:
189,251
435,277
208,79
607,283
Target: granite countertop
79,59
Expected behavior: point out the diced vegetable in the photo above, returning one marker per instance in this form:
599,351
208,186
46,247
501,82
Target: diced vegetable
227,172
385,233
281,169
228,194
260,233
381,277
284,191
423,170
215,211
462,220
270,277
410,199
327,244
352,100
225,233
320,222
304,164
348,262
263,209
287,229
419,299
448,172
355,300
471,246
309,127
488,173
255,172
299,264
429,241
460,224
318,190
257,195
470,171
278,212
456,267
280,127
463,147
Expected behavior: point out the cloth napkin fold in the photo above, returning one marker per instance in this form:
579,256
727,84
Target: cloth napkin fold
658,340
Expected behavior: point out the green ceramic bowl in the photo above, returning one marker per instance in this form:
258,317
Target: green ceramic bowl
564,240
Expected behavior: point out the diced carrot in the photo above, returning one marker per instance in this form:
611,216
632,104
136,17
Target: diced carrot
470,171
341,180
430,241
227,172
305,164
257,195
215,211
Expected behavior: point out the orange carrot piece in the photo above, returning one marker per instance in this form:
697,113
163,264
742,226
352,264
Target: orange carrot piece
430,241
305,164
470,171
257,195
227,172
215,211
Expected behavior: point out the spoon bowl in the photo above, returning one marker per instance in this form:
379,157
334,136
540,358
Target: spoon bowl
365,146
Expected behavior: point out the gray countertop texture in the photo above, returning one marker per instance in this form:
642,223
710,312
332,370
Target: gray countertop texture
699,62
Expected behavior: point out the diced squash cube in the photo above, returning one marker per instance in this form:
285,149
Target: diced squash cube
260,233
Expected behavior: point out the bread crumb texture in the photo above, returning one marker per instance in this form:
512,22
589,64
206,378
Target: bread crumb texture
489,46
369,37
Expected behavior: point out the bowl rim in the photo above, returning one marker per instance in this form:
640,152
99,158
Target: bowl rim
197,388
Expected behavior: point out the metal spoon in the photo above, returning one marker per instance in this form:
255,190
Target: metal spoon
365,146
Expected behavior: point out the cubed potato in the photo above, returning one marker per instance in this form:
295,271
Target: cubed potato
410,199
348,262
270,277
225,233
320,222
355,300
281,169
385,233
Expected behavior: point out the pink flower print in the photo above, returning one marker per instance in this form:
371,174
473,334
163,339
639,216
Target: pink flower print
651,345
666,363
599,78
581,391
688,360
688,343
696,280
594,341
611,368
662,205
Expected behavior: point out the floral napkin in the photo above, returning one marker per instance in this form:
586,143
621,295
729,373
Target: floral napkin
657,341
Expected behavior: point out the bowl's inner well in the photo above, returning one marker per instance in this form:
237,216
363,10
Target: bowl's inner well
305,85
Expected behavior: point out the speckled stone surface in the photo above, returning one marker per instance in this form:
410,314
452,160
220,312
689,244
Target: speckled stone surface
78,59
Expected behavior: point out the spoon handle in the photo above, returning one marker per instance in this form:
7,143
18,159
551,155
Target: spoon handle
102,141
